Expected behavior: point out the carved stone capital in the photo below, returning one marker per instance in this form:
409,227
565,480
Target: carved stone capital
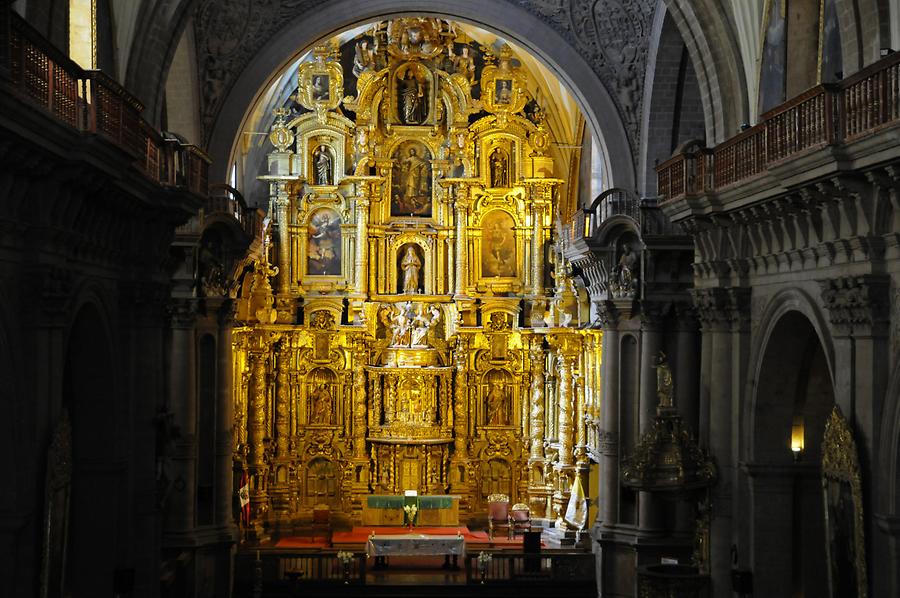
182,312
856,304
722,306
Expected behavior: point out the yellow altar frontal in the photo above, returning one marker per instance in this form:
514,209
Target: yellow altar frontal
434,511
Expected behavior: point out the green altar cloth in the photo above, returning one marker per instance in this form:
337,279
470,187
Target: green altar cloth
397,502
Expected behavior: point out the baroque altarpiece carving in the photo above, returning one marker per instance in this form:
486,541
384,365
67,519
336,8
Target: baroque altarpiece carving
395,331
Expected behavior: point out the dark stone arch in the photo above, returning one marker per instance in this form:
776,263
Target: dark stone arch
793,396
711,43
673,104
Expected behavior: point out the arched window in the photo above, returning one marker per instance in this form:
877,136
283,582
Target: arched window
83,32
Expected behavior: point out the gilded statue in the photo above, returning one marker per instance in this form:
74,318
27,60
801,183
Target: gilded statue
364,59
463,63
413,104
323,173
412,267
499,170
664,386
496,403
321,401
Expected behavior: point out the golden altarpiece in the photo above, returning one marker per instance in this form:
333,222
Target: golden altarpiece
396,332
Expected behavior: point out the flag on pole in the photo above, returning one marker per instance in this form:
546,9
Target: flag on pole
576,511
244,497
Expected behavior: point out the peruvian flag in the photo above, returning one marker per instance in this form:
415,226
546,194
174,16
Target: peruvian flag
244,497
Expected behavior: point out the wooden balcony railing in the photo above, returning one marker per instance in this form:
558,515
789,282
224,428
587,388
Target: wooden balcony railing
822,116
93,103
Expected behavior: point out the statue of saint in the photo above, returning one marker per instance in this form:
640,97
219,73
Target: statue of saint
463,63
364,59
323,166
623,274
496,401
412,99
664,385
411,266
421,325
321,400
498,170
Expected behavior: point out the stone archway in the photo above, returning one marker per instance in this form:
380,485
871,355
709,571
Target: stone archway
97,477
794,394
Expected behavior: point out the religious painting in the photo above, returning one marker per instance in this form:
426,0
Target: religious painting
410,270
323,257
322,170
502,91
320,397
497,398
411,180
412,95
498,245
320,88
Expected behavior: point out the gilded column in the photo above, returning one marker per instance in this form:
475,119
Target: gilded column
282,401
362,243
256,416
282,201
566,405
359,399
461,403
537,249
538,363
462,266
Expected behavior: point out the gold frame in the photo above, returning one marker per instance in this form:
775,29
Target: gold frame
840,465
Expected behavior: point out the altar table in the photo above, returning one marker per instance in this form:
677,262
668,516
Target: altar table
434,510
415,545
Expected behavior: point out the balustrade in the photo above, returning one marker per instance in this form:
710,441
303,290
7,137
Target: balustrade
824,115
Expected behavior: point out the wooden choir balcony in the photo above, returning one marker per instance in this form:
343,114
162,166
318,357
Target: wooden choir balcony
823,116
92,102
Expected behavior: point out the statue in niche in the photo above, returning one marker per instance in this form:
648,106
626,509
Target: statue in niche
364,59
624,281
499,169
323,173
320,91
411,267
664,385
458,169
496,404
321,402
413,103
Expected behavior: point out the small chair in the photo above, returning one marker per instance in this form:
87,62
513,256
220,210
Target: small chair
498,513
519,519
321,522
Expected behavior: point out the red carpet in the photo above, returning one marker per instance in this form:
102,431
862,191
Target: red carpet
302,542
358,536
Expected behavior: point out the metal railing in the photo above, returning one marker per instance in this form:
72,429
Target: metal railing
825,115
92,102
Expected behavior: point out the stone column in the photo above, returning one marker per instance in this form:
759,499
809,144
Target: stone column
651,345
608,495
183,396
462,258
225,429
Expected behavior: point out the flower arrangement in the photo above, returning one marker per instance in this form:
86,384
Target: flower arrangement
484,558
345,556
410,514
